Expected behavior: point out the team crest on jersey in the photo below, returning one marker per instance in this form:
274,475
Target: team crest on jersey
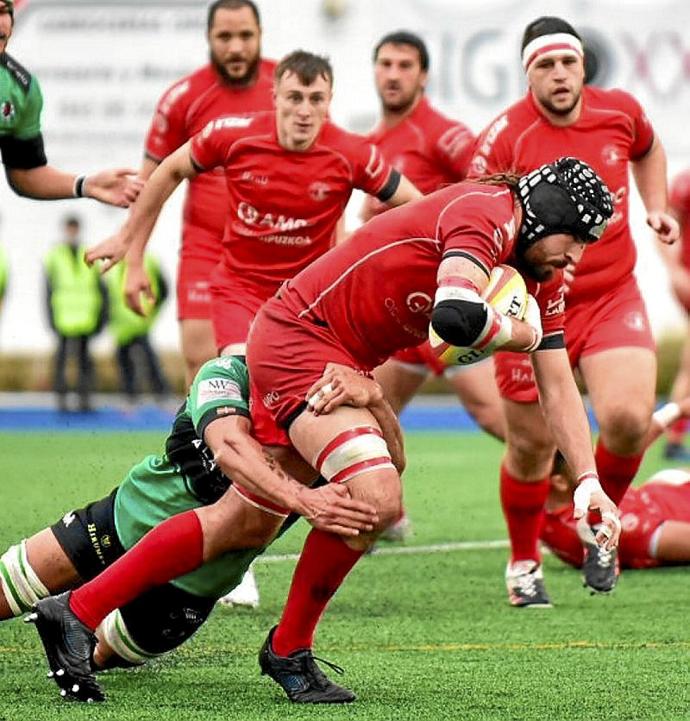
611,154
7,111
319,191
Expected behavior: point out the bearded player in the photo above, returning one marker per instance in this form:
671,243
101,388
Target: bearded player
607,330
445,244
236,81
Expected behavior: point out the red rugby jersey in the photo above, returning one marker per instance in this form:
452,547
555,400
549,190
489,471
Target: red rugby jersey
611,130
679,200
284,205
427,147
184,110
642,510
376,292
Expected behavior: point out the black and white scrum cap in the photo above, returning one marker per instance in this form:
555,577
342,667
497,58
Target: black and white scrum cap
565,196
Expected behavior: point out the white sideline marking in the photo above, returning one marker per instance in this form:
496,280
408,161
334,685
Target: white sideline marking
406,550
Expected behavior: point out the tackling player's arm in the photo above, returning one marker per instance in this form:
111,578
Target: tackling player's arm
404,193
241,458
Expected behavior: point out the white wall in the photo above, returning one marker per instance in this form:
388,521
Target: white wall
102,66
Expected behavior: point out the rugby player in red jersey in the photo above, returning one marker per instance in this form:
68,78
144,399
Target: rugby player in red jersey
289,175
655,517
425,262
236,81
677,259
444,244
432,151
607,331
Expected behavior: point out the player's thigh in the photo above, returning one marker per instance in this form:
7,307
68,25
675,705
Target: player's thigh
399,381
529,444
621,383
198,344
476,388
346,446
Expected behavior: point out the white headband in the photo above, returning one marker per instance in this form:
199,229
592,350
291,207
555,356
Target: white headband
560,43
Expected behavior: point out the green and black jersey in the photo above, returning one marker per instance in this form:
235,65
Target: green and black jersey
21,102
185,476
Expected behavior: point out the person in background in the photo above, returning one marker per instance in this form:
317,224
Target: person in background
135,354
21,141
77,309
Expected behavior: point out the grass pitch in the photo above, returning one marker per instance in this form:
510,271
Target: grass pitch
423,636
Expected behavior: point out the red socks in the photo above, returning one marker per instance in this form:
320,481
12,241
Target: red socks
523,508
169,550
615,472
325,561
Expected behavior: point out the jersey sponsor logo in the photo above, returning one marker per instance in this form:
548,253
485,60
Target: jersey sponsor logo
392,308
419,302
216,389
629,522
319,191
68,518
223,362
7,111
229,121
249,177
252,216
271,399
556,306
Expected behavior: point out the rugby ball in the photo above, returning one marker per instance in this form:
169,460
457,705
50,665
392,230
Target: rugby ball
506,293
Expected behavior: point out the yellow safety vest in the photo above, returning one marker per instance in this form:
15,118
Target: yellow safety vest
125,324
4,273
76,300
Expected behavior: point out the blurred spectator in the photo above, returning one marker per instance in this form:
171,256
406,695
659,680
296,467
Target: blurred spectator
131,331
677,259
77,309
4,275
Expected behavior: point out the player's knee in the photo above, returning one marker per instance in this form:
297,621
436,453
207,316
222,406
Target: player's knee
624,426
360,458
21,586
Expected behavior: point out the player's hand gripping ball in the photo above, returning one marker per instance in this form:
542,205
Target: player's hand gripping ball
506,294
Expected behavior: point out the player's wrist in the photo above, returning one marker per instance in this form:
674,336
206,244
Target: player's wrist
589,482
79,187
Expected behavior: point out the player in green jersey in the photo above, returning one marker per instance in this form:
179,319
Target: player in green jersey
84,542
21,142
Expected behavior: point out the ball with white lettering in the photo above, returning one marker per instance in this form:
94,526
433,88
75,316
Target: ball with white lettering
507,294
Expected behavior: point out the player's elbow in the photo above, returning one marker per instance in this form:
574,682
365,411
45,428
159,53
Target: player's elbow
459,322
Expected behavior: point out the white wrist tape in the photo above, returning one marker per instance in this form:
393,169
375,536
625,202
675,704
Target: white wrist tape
667,414
588,484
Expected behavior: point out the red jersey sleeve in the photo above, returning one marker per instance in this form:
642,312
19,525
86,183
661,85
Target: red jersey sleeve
168,129
551,299
453,149
643,132
370,171
493,151
679,193
479,225
211,146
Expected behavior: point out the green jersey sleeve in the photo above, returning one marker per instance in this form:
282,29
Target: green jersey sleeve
29,122
220,388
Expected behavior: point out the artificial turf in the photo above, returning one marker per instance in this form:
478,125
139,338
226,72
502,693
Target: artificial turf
423,636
